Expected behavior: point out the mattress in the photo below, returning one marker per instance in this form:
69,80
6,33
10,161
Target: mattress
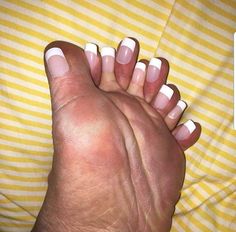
196,37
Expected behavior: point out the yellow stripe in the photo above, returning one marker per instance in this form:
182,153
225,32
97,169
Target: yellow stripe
24,141
25,131
25,121
23,169
25,151
25,111
22,99
30,179
22,188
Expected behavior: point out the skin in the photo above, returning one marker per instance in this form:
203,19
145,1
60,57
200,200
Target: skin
116,165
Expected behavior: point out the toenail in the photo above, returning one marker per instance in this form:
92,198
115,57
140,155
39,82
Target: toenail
91,54
125,51
56,62
178,109
163,97
186,129
108,59
153,70
139,73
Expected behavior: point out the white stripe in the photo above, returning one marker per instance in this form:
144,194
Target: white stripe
43,174
9,181
25,156
24,193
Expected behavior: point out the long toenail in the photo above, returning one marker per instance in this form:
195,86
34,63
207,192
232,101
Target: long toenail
108,59
91,54
178,110
163,97
139,73
186,129
56,62
125,51
153,70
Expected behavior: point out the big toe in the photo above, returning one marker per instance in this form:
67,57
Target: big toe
68,73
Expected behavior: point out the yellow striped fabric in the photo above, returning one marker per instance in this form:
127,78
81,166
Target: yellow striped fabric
197,39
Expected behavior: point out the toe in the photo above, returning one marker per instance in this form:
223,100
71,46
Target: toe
166,99
175,114
157,72
136,85
126,59
94,60
68,73
187,134
108,80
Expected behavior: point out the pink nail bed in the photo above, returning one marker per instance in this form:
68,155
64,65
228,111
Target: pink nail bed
139,73
163,97
56,62
108,59
125,51
153,70
178,110
186,129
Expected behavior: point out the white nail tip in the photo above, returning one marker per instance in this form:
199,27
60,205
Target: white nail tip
108,51
190,125
53,52
155,62
141,66
182,105
90,47
128,43
166,90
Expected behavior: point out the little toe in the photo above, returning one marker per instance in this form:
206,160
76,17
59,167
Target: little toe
175,114
108,80
157,72
166,99
94,60
136,84
127,54
187,134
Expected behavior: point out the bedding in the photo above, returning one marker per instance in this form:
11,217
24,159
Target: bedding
196,37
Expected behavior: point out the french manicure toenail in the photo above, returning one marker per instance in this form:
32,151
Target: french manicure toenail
190,125
140,65
126,50
163,97
186,129
178,109
56,62
91,54
90,47
108,59
108,51
153,70
139,73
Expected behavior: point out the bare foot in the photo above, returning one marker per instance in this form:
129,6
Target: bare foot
116,166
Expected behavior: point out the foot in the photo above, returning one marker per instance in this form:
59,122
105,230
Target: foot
144,80
116,166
